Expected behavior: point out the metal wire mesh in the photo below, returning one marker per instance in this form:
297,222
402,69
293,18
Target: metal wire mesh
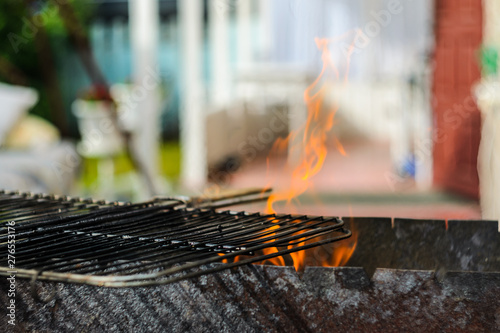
157,242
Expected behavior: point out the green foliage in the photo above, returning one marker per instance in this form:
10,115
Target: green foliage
489,60
20,22
12,20
170,160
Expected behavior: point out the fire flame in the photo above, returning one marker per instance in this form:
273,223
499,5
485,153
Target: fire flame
343,250
310,141
277,261
329,255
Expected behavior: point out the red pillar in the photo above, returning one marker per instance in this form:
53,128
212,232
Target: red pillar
457,120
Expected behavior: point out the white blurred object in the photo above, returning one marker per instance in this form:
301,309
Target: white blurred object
265,86
100,137
15,102
144,32
40,162
32,132
244,31
488,100
128,115
51,169
220,90
192,110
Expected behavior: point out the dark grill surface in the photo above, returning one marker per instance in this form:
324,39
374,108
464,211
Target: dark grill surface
156,242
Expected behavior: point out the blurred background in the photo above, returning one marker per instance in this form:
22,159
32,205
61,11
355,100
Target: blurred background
124,100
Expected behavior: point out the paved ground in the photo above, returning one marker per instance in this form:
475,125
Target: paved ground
358,184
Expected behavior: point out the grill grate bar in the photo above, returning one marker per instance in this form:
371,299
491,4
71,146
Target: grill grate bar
202,249
160,241
71,248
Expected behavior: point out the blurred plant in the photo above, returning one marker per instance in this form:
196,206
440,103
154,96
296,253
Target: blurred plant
34,28
31,30
96,92
489,60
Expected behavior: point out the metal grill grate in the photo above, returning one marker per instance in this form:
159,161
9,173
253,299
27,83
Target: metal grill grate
157,242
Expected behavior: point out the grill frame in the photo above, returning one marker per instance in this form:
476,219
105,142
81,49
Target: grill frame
51,240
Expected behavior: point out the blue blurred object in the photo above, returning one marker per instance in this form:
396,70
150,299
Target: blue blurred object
408,167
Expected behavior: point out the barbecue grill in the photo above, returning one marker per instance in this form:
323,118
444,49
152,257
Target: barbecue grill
167,262
157,242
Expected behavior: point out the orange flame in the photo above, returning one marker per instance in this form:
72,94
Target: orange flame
342,251
277,261
298,257
310,140
224,261
328,255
